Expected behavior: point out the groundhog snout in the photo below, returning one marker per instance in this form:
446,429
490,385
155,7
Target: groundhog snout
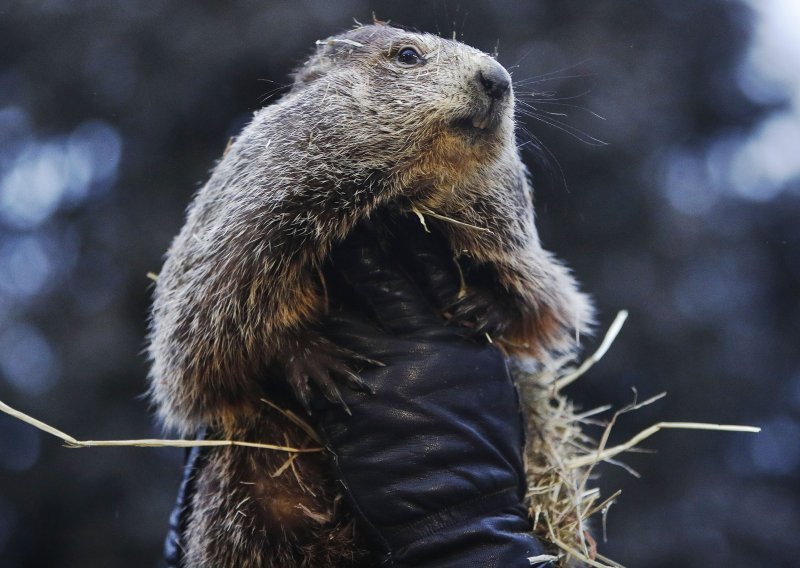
493,80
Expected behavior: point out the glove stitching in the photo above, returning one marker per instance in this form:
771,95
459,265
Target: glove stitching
353,501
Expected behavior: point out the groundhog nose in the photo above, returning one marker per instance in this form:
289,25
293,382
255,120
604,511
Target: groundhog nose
494,80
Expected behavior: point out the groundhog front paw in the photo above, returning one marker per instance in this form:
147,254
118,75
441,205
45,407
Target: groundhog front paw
484,313
322,363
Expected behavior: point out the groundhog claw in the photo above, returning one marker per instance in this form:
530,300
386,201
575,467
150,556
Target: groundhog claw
318,362
482,313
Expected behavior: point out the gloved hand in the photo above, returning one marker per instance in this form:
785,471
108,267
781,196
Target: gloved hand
431,460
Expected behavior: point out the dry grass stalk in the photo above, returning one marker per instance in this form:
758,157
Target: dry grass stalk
425,211
560,456
72,442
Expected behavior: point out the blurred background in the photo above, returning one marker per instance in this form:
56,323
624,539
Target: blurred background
666,159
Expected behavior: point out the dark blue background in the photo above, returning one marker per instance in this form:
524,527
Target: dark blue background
112,113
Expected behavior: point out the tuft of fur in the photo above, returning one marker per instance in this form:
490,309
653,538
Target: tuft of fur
239,290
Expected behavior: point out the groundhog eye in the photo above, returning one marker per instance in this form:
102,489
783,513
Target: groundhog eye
408,56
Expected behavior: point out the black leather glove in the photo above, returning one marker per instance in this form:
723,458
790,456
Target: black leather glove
432,459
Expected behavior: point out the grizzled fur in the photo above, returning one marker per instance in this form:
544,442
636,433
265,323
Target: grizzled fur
240,290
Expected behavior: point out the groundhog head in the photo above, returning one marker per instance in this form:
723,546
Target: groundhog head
423,100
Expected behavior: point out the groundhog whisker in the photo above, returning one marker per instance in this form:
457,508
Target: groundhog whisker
528,108
576,133
555,74
573,131
552,102
566,68
544,157
549,96
532,108
533,80
521,59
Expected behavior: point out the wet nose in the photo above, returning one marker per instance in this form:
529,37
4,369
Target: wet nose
494,80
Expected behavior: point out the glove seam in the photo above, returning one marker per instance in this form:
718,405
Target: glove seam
354,502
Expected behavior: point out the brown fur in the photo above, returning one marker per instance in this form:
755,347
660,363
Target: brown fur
239,290
251,510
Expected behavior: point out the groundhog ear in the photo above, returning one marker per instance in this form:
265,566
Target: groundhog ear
316,66
312,70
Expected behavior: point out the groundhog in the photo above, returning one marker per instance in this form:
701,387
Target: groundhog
377,118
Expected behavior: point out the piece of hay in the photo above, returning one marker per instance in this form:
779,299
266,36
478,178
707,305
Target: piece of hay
72,442
560,456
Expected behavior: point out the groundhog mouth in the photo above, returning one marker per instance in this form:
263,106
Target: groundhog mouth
479,121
